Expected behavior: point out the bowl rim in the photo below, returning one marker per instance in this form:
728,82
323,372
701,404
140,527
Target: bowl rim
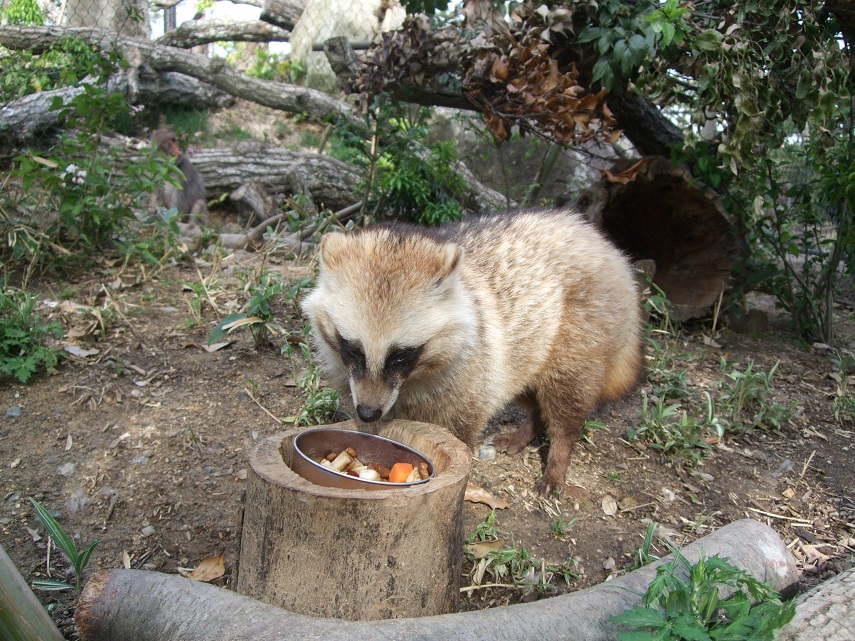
299,452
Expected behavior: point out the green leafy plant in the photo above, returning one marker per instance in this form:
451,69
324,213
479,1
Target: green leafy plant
844,401
321,402
85,190
406,178
561,526
78,559
513,562
672,430
746,399
642,555
262,289
22,337
692,609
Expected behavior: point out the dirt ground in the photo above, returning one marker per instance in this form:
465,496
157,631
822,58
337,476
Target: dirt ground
141,441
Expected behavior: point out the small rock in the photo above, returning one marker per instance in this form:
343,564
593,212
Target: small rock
13,412
169,310
139,460
609,564
149,566
15,463
12,497
148,530
66,470
487,453
77,501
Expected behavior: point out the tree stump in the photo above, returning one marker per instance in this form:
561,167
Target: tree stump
662,213
355,554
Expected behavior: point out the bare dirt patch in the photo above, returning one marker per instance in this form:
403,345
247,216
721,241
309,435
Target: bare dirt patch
143,446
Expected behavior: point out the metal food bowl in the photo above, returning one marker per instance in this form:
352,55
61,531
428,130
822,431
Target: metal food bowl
313,445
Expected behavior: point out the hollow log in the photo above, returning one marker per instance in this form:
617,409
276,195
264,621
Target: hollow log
355,554
663,214
144,606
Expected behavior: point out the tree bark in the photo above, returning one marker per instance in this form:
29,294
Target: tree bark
825,613
276,95
30,116
198,32
133,604
21,614
355,554
282,13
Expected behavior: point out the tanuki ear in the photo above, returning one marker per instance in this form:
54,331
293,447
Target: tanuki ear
332,245
451,257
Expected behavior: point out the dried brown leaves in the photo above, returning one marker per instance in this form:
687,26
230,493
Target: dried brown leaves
526,88
510,74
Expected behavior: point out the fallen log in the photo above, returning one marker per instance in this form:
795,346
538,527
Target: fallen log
139,605
659,212
825,613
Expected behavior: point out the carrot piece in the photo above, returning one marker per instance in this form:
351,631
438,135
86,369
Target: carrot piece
400,472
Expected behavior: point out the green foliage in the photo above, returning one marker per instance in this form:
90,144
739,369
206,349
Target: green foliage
642,555
799,219
268,65
629,36
407,179
23,13
745,399
321,402
261,289
429,7
84,191
22,337
691,609
78,559
513,563
844,399
667,427
561,526
66,62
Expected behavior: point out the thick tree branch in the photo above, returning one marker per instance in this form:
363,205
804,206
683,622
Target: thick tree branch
200,32
216,72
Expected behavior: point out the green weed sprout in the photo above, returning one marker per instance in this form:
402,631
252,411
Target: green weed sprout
78,560
674,609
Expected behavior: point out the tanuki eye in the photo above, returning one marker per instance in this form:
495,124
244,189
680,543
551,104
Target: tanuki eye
351,353
403,359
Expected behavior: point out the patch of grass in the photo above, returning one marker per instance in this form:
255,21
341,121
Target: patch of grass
23,335
612,476
692,609
321,402
561,526
512,565
672,430
589,427
642,555
746,399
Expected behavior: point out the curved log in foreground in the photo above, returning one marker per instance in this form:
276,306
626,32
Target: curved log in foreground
139,605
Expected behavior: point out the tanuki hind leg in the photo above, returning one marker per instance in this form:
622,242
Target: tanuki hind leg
513,442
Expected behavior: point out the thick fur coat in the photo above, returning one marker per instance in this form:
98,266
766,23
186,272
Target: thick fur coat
448,325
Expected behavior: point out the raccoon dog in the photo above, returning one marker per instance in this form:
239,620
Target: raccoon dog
448,325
